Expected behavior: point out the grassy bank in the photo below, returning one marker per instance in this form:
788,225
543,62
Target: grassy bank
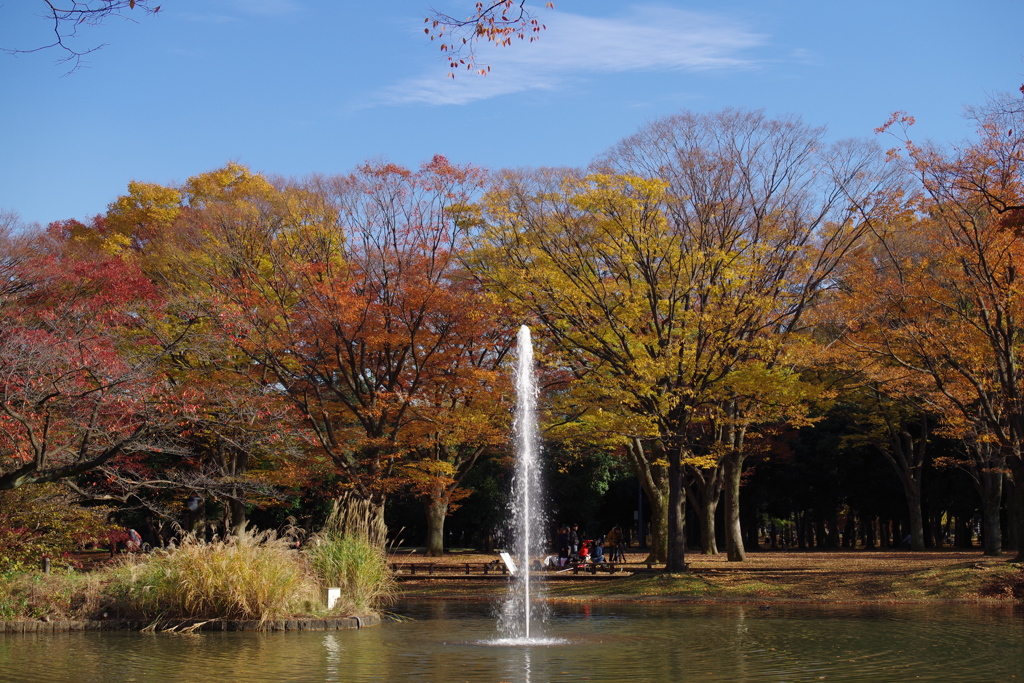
255,577
264,579
816,577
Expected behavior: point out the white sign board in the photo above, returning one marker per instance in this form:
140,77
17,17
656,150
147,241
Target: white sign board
509,562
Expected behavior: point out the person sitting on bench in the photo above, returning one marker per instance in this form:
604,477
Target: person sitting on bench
597,552
583,555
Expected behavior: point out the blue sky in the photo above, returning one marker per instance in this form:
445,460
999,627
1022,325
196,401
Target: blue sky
293,87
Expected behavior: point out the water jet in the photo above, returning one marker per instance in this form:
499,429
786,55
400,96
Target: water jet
517,614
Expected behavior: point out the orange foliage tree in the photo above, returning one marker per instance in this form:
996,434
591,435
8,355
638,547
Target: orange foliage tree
939,298
347,296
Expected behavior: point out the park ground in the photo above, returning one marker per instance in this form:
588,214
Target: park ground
856,576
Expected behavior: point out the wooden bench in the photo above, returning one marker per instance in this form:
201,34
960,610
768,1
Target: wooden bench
413,567
432,568
485,567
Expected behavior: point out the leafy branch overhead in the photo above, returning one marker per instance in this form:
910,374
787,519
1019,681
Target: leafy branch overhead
494,22
67,16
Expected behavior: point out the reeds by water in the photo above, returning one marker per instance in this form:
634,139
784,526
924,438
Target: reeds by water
250,576
357,567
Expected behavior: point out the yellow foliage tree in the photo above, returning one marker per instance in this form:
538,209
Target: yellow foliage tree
677,293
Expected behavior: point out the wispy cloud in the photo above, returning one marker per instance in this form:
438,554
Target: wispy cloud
647,38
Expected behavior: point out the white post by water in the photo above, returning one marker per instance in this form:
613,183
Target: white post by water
527,451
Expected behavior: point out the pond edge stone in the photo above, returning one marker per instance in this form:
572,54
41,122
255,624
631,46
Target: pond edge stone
331,624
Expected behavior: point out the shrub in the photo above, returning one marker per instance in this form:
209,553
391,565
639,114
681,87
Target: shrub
42,519
58,596
250,576
356,566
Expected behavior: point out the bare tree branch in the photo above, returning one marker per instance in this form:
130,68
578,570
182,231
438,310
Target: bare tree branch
67,15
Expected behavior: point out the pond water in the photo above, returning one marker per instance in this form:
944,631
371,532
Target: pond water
451,641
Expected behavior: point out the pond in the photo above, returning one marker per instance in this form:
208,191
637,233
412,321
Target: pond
451,641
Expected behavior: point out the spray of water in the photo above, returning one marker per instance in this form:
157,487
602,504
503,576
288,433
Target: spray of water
516,618
518,612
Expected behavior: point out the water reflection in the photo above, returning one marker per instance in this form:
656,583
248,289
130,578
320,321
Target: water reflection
446,641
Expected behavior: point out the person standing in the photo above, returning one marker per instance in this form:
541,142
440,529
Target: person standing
574,539
562,543
613,541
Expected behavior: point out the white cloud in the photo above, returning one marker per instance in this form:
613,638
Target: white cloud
648,38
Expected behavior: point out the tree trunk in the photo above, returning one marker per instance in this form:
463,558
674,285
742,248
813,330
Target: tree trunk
906,453
752,531
850,530
654,482
1015,516
1017,501
912,489
437,511
991,501
706,520
236,504
705,488
657,526
832,541
675,562
733,528
962,533
870,540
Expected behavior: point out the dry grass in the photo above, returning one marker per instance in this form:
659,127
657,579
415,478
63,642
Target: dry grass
251,576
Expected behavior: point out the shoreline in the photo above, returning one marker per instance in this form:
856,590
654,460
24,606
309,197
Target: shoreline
188,625
720,600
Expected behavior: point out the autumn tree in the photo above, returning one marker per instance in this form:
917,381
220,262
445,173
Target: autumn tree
677,285
77,388
236,441
461,415
345,294
790,204
942,301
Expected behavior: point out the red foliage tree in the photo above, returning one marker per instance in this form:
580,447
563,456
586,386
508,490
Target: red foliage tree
76,383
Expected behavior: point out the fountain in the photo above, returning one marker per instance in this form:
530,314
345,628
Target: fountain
517,612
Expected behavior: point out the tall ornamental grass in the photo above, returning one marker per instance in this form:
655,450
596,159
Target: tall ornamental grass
251,576
356,566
